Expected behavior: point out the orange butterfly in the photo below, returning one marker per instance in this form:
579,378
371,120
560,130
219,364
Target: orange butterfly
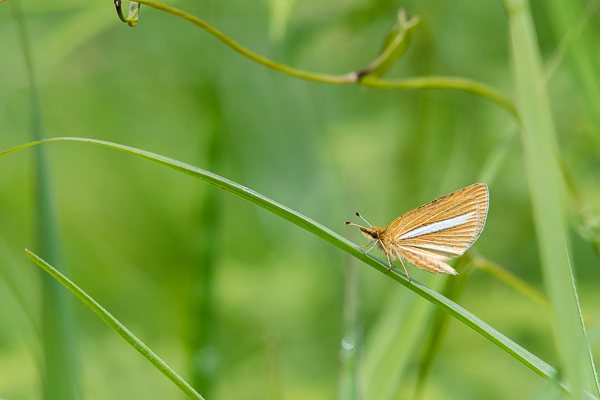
430,235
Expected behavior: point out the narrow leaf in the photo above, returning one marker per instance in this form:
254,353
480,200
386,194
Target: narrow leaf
116,325
547,192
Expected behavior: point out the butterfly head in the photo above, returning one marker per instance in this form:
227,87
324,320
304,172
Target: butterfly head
372,232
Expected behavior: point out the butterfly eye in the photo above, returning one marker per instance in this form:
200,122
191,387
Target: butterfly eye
374,235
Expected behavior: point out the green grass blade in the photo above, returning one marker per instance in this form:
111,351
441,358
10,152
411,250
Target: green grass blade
60,370
205,354
546,188
117,326
461,314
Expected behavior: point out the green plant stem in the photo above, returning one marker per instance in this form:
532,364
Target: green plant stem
445,83
502,274
116,325
298,73
434,82
119,8
461,314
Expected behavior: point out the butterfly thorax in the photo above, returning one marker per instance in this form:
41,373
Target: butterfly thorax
380,237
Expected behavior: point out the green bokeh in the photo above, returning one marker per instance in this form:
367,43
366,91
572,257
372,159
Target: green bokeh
136,237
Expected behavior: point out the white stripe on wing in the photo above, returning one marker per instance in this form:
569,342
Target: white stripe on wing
437,226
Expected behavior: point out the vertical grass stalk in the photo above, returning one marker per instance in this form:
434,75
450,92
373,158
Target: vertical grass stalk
546,190
60,369
203,346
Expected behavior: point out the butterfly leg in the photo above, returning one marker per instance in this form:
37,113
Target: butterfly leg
399,257
404,266
390,266
368,247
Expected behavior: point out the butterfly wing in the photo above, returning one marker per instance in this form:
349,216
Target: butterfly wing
427,260
442,229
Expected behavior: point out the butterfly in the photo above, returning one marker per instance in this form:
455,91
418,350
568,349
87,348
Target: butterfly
432,234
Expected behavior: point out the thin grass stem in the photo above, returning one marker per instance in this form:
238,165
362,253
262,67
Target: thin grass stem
116,325
433,82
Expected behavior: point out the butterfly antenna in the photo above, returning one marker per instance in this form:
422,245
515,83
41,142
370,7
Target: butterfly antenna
353,224
363,218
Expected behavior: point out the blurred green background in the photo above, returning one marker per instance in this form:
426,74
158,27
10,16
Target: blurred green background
239,301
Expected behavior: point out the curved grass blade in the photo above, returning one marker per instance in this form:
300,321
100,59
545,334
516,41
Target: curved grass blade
116,325
461,314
